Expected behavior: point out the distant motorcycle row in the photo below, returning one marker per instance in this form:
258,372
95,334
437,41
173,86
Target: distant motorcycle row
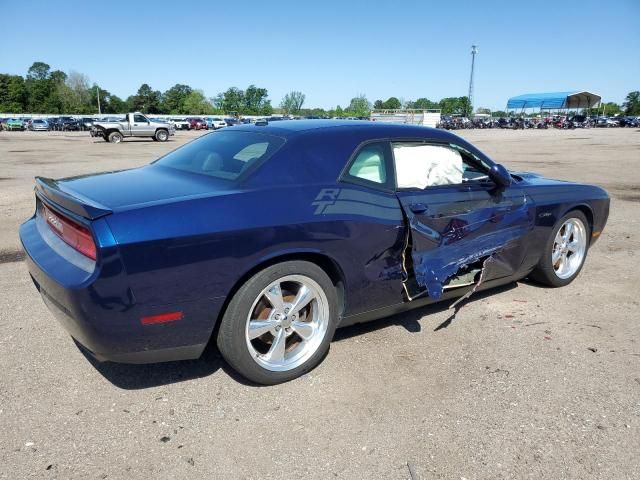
520,123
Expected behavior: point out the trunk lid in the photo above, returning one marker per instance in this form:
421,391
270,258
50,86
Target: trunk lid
96,195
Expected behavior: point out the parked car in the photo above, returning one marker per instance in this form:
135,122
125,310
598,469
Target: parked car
197,123
604,122
86,123
215,123
12,124
132,125
232,121
68,124
180,123
628,122
53,123
383,218
38,124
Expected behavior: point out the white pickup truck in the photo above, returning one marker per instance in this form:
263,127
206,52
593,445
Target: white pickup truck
133,125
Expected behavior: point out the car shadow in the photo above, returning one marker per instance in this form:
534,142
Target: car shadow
410,320
138,377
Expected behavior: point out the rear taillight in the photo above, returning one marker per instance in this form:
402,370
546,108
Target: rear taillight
73,234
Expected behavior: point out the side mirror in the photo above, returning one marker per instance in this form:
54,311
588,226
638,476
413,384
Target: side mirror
500,175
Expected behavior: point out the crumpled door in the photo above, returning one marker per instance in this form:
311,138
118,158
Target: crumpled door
454,229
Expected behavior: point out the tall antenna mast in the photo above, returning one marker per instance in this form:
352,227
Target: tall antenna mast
474,50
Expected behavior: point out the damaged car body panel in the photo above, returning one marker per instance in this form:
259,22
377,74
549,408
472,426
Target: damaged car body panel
457,217
459,229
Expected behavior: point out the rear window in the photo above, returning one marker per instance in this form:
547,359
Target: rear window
223,154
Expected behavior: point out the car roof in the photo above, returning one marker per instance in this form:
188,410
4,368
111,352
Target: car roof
290,128
324,146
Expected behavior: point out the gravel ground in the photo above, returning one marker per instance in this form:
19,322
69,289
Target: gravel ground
525,382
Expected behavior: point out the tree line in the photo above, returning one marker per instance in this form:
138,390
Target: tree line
43,90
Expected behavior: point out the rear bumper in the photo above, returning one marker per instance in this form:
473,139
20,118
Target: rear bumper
99,310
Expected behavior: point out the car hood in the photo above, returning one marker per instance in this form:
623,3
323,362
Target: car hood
149,185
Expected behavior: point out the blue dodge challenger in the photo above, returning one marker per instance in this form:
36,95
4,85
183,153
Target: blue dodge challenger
266,238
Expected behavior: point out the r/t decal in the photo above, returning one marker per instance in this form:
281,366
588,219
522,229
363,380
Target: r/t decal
326,196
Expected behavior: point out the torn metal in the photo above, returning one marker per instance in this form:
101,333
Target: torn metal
483,274
463,251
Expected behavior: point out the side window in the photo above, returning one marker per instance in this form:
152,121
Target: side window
140,118
370,164
422,166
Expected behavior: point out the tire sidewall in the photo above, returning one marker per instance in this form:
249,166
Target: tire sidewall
231,336
162,135
114,135
545,261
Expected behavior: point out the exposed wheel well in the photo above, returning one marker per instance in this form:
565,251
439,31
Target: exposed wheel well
587,213
330,267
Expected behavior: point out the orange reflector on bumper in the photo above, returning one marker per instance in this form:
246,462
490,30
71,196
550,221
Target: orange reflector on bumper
596,234
162,318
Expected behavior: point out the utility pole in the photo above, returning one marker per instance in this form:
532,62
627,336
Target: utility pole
474,50
98,92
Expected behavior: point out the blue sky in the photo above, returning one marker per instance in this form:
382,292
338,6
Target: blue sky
334,50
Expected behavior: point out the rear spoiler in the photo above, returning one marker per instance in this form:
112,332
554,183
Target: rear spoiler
48,189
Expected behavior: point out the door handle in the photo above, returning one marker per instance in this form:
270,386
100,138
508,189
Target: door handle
418,207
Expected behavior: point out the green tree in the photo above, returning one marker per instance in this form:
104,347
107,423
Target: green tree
378,105
195,103
256,101
38,71
231,101
146,100
482,110
612,108
13,94
455,106
359,106
38,86
632,103
117,105
392,103
338,112
173,100
292,102
425,103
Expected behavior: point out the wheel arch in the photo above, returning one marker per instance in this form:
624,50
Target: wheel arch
587,211
329,265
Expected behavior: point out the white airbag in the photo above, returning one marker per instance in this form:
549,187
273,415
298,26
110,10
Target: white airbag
421,166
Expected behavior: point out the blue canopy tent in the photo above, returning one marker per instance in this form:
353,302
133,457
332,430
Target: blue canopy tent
554,101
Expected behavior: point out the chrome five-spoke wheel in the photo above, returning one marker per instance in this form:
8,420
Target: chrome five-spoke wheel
569,248
287,322
280,322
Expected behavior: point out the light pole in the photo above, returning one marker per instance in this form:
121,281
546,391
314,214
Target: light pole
474,50
98,92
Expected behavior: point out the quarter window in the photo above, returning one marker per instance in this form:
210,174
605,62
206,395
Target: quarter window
370,164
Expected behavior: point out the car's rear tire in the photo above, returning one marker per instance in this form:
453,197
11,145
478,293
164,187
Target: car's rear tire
115,137
161,135
280,323
564,252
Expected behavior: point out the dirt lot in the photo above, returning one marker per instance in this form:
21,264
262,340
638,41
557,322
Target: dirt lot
525,382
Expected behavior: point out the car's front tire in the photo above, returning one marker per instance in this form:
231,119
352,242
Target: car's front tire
280,323
564,252
115,137
162,135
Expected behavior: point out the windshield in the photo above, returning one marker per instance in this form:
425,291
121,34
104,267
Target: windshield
223,154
